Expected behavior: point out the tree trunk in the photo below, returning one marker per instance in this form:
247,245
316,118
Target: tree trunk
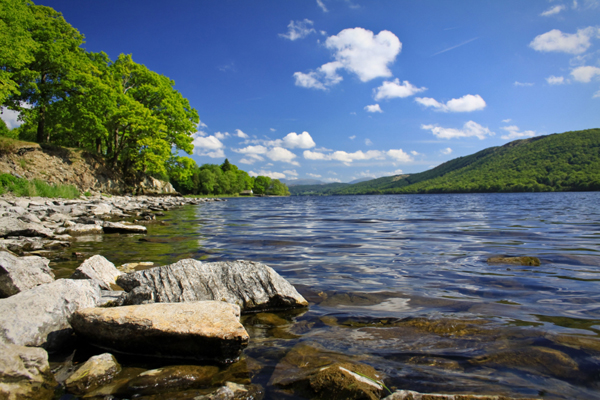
41,137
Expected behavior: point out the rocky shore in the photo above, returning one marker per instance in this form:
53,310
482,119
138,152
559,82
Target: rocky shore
184,316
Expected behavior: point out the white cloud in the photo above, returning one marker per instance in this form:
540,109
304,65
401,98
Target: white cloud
209,146
506,121
596,95
523,84
221,136
248,161
333,180
571,43
399,155
281,154
322,6
368,142
291,172
299,29
314,175
240,134
513,133
344,157
272,129
302,141
414,153
202,125
469,129
585,74
270,174
447,151
358,51
373,108
467,103
554,80
393,89
10,118
553,10
352,137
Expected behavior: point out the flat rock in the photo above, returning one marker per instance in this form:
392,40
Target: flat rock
83,229
18,274
95,372
25,373
99,270
119,227
250,285
39,316
10,226
206,330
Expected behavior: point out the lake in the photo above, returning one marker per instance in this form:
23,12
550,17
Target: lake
402,283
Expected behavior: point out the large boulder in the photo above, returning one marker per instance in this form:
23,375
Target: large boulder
206,330
252,286
25,373
10,226
99,270
22,273
39,316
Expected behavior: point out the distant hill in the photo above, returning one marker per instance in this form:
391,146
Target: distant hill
359,180
318,190
567,161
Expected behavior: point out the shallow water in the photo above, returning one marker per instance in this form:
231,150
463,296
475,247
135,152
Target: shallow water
401,282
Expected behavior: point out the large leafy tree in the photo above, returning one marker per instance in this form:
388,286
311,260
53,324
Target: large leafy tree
16,44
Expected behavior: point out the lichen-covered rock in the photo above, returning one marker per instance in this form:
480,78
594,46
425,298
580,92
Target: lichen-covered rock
39,316
22,273
95,372
252,286
25,373
198,330
99,270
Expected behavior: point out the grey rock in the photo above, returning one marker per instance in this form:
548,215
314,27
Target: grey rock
82,229
10,226
99,270
25,373
111,298
39,316
119,227
30,217
95,372
100,209
252,286
199,330
22,273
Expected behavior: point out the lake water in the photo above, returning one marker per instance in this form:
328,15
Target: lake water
402,283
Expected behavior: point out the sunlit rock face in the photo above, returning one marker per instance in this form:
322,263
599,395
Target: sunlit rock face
206,330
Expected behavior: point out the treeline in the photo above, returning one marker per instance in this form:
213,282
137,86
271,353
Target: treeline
212,179
119,109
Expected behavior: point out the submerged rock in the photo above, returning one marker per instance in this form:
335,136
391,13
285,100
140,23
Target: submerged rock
410,395
22,273
39,316
526,261
252,286
171,378
99,270
198,330
25,373
320,374
95,372
119,227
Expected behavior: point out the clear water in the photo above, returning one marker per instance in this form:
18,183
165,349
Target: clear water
402,283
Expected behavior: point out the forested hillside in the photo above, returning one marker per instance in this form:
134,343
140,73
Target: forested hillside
117,109
567,161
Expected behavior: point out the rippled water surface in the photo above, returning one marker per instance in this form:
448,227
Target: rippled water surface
402,283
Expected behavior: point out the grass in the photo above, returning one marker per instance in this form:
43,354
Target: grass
23,187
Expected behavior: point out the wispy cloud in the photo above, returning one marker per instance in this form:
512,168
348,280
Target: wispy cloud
454,47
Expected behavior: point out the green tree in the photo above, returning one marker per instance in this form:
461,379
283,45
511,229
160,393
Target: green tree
16,22
262,184
276,188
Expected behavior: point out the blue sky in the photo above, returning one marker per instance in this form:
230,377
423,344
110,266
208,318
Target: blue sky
338,90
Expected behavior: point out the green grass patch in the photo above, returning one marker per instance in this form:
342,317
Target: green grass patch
23,187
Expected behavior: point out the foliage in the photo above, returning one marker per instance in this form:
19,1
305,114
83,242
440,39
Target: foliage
24,187
560,162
